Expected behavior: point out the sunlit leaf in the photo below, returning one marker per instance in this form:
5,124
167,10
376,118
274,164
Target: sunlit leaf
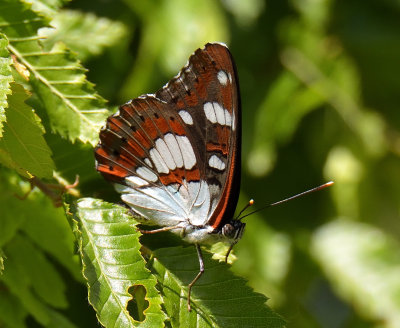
75,28
5,79
112,265
363,265
74,109
47,7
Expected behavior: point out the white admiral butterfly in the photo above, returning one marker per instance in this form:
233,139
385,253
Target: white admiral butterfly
175,155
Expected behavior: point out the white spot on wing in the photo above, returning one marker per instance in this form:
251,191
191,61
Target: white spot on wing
219,113
163,150
189,159
216,163
136,182
228,118
222,77
186,117
173,146
146,174
158,161
148,162
215,113
210,113
233,122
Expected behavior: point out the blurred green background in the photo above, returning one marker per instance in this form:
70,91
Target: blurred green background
320,89
320,85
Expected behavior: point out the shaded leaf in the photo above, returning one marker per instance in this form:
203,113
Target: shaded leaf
73,108
14,217
12,314
219,298
112,263
50,231
5,79
163,44
23,140
31,277
37,217
277,119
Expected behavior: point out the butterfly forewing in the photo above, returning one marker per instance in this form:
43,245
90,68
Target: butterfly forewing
175,155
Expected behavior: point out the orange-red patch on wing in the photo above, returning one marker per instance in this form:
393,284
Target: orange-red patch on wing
219,148
176,127
178,175
116,172
141,139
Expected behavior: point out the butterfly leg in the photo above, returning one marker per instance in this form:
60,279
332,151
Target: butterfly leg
229,251
201,262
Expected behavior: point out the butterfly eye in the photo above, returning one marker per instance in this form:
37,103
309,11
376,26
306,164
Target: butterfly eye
228,230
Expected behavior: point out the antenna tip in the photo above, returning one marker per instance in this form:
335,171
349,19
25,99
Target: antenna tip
330,183
251,202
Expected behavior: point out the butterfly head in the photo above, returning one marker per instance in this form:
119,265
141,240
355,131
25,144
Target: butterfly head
233,230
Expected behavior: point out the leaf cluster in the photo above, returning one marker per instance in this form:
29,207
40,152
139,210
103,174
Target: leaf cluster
50,116
319,87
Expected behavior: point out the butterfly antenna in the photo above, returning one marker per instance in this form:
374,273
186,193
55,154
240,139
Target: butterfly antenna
250,203
328,184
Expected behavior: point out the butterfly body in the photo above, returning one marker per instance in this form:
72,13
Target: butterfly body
175,155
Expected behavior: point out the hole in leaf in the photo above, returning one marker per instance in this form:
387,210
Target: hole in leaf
138,304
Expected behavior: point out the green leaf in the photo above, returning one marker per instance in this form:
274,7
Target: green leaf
12,314
23,138
5,79
363,265
47,7
37,217
277,119
73,108
112,264
74,28
163,44
50,231
219,298
31,277
2,256
13,217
